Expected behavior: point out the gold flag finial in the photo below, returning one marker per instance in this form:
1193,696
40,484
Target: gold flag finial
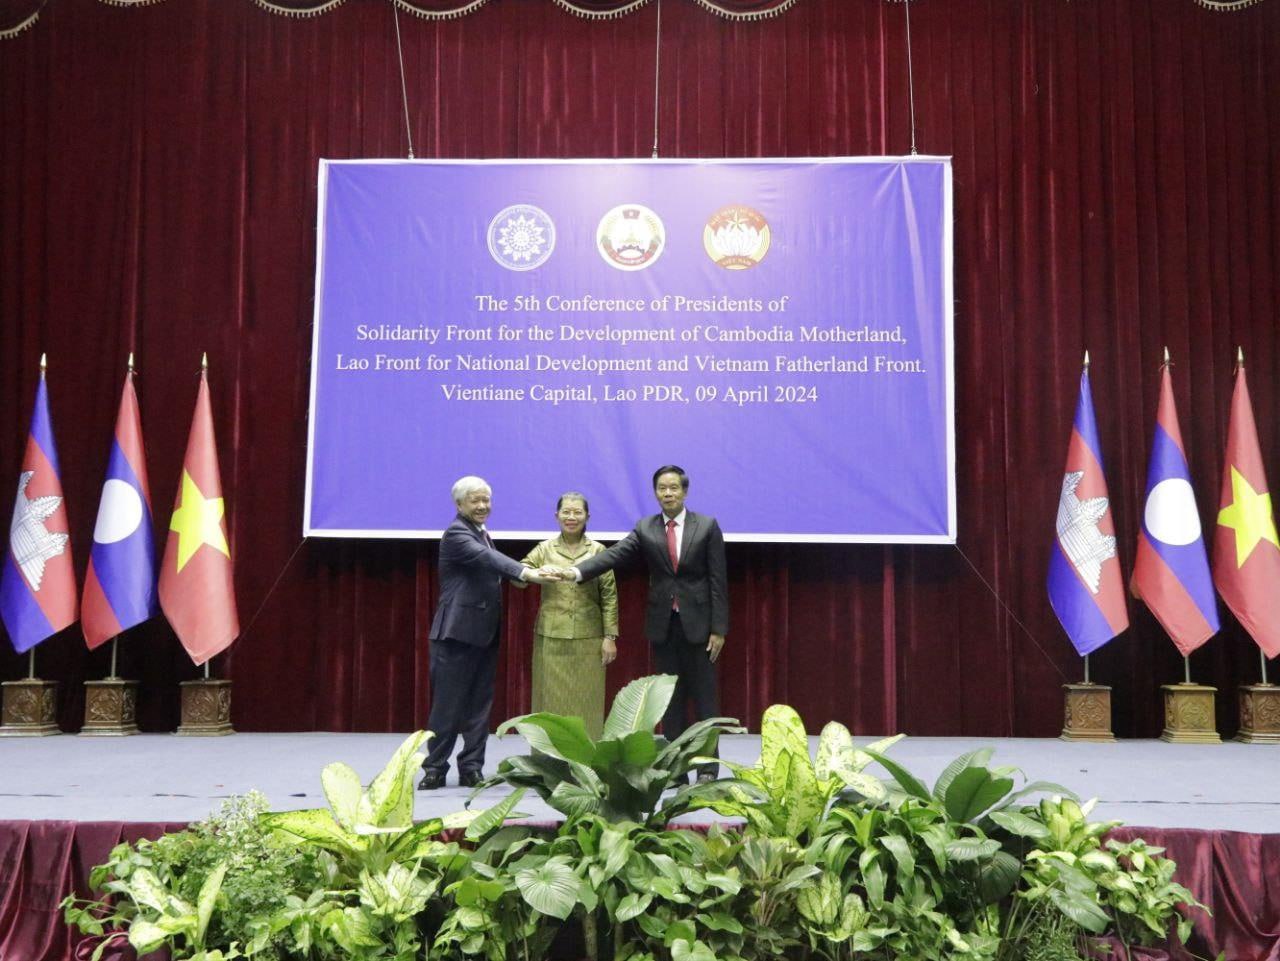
1086,360
1239,358
204,363
44,363
1167,361
130,362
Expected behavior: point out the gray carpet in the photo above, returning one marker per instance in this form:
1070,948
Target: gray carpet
165,778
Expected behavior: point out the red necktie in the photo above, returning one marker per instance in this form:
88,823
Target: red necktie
671,552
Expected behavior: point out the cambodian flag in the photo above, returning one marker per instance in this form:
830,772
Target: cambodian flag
37,584
120,586
1172,570
1085,585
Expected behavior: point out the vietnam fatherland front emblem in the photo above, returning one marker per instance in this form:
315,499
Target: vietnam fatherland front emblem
630,237
522,237
736,237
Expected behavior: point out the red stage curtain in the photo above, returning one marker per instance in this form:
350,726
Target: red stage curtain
1116,188
41,862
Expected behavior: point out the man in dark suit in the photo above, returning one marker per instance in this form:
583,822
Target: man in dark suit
464,637
687,616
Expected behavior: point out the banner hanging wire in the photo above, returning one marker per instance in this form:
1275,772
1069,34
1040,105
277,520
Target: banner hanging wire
404,90
657,60
911,80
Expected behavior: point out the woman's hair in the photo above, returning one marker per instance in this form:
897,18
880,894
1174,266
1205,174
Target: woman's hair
572,496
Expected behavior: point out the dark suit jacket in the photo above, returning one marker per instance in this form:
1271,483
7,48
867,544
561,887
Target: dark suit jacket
471,574
700,585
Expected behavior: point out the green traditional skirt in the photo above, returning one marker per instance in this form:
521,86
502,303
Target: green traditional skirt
568,678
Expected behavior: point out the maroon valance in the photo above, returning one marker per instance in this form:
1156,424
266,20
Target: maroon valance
18,15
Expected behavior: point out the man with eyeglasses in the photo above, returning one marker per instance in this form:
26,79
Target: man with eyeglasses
687,615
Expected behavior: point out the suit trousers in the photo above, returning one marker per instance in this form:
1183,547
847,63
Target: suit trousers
461,700
695,681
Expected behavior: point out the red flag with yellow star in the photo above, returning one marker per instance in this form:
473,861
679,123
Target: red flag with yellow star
1246,550
196,591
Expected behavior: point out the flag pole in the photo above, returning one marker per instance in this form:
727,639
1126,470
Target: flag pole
204,372
31,654
1086,657
1186,665
1262,656
112,676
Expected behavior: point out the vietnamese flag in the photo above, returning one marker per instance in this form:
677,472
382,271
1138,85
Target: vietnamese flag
1246,550
196,590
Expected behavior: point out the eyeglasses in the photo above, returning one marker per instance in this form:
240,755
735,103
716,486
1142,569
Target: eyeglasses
570,513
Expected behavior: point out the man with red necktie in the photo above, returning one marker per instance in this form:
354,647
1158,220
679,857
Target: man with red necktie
687,615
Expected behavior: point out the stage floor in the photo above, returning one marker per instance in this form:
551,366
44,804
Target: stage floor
155,777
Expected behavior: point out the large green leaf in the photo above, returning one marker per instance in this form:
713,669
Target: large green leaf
971,849
541,772
1080,908
205,901
571,799
639,749
561,737
407,845
834,744
343,790
781,732
146,889
1020,825
978,758
389,800
317,826
862,756
973,791
820,903
906,780
639,706
493,817
551,888
145,936
632,906
897,845
998,877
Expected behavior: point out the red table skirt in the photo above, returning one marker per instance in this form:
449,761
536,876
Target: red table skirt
41,862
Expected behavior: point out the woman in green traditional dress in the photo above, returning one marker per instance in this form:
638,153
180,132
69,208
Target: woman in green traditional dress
577,628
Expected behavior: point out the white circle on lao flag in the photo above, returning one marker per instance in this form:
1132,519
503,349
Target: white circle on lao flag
1171,514
120,513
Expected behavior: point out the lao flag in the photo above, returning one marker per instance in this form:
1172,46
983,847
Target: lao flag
1171,573
120,586
37,585
1085,585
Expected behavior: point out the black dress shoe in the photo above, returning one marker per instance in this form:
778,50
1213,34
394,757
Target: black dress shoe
470,778
431,782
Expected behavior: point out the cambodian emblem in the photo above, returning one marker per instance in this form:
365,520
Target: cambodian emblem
630,237
736,237
31,542
521,237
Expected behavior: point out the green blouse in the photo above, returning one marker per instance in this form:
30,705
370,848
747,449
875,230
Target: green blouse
574,610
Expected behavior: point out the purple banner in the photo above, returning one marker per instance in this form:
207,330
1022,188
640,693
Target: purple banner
780,329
